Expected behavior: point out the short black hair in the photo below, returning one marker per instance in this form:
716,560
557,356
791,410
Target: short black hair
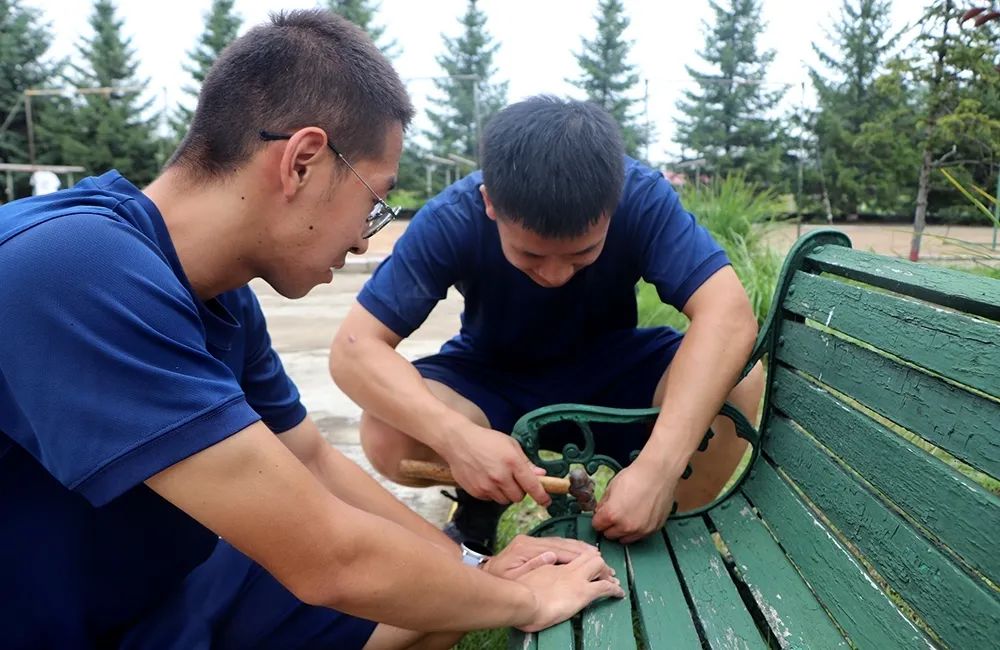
302,68
553,166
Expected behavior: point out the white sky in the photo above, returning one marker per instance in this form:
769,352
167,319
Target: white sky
537,40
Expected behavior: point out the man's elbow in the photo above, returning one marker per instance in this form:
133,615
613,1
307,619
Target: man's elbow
345,356
328,583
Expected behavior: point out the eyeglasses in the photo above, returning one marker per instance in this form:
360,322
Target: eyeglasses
380,215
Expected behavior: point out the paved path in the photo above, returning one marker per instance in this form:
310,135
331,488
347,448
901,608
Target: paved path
301,331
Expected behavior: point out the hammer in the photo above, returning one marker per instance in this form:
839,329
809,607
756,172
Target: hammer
578,484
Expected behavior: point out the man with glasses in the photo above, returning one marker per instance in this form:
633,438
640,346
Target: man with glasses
140,397
546,244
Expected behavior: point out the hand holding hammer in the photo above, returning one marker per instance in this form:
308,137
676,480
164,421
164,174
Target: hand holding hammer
578,484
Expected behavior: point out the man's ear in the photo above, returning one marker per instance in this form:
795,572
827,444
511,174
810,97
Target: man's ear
303,152
489,204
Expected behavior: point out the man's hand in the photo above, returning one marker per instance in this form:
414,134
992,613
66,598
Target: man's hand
563,590
525,554
491,465
637,502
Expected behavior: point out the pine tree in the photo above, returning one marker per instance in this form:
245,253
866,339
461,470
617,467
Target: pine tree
101,130
362,13
222,25
726,121
848,97
959,122
608,78
470,98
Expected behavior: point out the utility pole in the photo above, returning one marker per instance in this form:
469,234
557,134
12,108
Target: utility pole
645,101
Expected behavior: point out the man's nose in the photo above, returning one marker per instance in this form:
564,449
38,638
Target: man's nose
556,274
360,247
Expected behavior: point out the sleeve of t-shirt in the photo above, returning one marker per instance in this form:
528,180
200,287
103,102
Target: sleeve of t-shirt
677,254
424,263
104,354
269,390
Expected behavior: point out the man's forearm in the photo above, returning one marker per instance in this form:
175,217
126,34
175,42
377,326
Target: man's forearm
251,490
344,478
705,369
351,484
388,387
394,565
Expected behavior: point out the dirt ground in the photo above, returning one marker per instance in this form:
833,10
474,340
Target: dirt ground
893,239
302,330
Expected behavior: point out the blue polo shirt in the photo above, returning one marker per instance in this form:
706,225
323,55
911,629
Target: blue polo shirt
111,370
510,321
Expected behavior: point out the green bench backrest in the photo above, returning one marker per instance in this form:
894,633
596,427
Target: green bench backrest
880,471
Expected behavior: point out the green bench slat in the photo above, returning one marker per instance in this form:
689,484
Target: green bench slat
962,291
959,347
519,640
557,637
720,610
859,606
962,514
607,625
961,610
964,424
663,611
794,615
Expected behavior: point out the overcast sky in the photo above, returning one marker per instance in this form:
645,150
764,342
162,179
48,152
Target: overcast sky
537,41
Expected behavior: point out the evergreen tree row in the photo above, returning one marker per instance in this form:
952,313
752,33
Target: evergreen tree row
889,114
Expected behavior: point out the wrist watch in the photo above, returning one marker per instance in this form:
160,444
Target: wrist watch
473,558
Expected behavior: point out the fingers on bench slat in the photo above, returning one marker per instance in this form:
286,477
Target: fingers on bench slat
941,593
607,625
951,344
723,617
843,586
964,424
958,512
791,610
664,616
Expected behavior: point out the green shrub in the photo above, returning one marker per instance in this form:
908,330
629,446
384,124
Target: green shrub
737,213
406,199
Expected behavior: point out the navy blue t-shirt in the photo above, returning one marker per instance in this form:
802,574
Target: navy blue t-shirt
111,370
509,320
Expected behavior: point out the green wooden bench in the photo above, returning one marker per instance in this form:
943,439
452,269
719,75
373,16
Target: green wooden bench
869,515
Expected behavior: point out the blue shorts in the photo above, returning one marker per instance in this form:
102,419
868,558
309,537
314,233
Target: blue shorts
230,602
621,371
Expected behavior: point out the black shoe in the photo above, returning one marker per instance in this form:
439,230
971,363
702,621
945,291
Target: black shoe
474,522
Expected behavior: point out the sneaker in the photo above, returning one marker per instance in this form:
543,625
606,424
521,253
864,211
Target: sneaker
473,522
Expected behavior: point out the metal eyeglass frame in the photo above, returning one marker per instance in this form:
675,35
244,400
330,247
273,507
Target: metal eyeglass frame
380,215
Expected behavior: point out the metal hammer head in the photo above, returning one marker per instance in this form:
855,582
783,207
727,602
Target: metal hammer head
581,488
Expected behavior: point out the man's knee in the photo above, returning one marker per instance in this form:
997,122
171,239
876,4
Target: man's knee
384,446
747,394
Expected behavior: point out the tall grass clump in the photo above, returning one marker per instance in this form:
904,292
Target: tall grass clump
737,213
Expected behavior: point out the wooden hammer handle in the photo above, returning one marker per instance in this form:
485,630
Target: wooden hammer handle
420,469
